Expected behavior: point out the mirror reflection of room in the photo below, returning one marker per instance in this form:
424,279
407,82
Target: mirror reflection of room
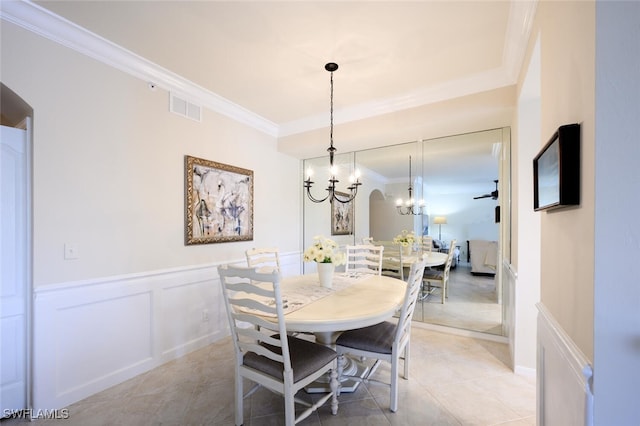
449,183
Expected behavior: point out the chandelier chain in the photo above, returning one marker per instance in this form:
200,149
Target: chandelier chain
410,208
331,189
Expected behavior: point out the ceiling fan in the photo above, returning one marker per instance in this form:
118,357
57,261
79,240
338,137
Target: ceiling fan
493,194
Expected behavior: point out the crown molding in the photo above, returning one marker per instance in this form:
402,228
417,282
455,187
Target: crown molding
39,20
481,82
519,25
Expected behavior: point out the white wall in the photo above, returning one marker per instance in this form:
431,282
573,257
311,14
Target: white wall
109,167
567,50
617,293
527,288
108,175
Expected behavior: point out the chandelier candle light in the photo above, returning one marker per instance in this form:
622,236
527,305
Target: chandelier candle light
333,170
409,206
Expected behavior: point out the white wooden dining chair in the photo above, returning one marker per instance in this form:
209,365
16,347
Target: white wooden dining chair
264,259
364,259
387,341
264,354
439,278
426,244
392,261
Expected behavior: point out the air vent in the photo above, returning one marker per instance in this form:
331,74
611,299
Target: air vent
184,108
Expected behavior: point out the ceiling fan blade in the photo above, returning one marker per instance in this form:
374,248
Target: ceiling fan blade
482,196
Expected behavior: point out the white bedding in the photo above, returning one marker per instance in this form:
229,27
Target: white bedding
484,256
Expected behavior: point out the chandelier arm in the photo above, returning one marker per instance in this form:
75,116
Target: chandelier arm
314,199
354,192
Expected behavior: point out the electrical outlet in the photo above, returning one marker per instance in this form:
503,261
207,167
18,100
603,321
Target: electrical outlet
205,315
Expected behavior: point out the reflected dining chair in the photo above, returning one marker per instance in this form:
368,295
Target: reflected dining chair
426,244
265,259
387,341
364,259
435,278
264,354
392,261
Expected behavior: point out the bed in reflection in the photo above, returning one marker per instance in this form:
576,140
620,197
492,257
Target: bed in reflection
483,256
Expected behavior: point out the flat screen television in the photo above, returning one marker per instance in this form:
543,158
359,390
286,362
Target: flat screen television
556,170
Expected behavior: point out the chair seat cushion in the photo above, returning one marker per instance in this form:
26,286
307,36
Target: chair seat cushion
376,338
306,358
432,274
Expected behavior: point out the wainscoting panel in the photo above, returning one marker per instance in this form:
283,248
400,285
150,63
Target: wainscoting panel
95,330
565,394
94,334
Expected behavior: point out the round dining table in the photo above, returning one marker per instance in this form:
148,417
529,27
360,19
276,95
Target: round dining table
366,301
433,258
369,300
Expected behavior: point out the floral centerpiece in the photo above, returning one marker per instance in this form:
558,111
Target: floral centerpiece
324,250
405,239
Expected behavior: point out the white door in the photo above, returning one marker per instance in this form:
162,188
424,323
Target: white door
13,270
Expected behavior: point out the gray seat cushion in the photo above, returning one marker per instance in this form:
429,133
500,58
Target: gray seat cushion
376,338
306,358
430,273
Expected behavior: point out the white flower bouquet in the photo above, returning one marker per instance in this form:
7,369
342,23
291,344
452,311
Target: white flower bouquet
405,238
324,250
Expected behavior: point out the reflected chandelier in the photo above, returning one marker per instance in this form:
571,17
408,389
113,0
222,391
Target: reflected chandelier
331,189
409,207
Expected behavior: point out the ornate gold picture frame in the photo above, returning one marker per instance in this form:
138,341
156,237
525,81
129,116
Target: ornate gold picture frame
218,201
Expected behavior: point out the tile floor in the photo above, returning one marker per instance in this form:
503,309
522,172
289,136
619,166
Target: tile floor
472,304
454,380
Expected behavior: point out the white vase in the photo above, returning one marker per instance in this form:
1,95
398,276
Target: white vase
406,250
325,273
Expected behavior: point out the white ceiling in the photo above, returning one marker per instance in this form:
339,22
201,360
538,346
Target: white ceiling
268,57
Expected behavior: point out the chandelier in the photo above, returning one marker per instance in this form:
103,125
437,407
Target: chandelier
333,170
409,206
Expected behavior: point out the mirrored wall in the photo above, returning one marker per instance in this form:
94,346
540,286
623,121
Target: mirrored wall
455,177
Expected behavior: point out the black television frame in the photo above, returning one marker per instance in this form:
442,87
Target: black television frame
557,166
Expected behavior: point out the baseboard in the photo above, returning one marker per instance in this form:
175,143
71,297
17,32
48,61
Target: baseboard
460,332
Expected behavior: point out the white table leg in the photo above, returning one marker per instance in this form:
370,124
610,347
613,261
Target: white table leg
352,367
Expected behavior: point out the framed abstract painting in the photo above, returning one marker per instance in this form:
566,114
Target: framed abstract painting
218,201
341,216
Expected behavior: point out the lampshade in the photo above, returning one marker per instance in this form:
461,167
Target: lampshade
440,220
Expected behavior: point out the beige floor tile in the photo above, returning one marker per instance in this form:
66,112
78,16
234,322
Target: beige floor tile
454,380
472,304
471,405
